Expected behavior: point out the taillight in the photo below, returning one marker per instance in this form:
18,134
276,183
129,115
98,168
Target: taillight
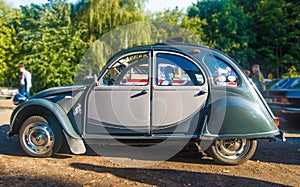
280,100
277,121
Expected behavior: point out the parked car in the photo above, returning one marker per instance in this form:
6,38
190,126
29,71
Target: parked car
284,98
270,82
161,92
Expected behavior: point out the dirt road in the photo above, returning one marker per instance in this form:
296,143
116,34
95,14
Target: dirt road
274,164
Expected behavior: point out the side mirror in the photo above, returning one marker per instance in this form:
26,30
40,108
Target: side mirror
18,99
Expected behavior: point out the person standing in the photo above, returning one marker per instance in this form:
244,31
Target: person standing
25,81
257,77
248,73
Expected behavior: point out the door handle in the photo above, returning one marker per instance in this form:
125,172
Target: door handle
143,92
201,92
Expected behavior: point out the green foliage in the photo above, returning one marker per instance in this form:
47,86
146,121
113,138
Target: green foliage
51,39
277,30
9,44
227,28
292,73
180,19
253,32
103,16
51,44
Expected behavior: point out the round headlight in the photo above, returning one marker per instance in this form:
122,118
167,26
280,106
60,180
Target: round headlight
18,99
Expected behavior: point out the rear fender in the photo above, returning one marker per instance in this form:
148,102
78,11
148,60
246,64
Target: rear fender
242,119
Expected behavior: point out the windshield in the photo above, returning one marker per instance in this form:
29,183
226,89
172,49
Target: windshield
280,84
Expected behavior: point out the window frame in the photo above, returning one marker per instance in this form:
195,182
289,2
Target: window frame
107,68
189,59
238,76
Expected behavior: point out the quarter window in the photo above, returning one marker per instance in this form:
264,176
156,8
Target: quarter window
222,73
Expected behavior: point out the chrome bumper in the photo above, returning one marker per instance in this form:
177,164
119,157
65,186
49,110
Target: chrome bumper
281,136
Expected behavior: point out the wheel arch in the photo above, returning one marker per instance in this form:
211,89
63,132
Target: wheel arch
243,118
41,107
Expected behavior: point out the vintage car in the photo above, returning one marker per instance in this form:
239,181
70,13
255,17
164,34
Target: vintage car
148,94
283,98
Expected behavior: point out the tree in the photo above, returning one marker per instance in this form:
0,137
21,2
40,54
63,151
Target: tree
179,19
102,16
277,32
227,28
271,31
51,44
9,44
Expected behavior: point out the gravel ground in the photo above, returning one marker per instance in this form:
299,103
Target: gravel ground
273,164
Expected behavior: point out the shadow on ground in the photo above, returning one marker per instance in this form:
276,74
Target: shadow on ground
26,180
170,177
275,152
9,146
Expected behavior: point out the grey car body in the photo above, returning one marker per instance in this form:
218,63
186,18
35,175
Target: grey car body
210,99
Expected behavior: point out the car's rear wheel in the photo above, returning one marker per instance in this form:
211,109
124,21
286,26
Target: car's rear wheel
232,151
40,136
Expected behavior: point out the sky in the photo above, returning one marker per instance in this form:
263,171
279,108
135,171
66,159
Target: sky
152,5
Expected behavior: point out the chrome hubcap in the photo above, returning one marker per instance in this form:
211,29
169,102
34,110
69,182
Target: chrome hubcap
38,138
232,148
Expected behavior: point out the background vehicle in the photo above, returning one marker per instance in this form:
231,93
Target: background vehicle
284,98
270,82
208,99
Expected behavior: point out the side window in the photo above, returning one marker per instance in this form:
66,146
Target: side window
222,73
173,70
296,84
129,71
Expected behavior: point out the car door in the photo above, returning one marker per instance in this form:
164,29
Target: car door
177,101
121,103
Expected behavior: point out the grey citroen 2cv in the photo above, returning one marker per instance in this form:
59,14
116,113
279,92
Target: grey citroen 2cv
149,94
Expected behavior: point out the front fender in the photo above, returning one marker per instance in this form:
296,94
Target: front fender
22,111
241,118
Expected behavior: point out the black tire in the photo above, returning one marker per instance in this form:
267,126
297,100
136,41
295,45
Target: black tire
41,136
232,151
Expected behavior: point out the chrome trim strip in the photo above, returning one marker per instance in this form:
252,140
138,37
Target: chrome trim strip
154,137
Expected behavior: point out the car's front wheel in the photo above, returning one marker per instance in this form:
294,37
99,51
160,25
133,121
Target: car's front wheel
40,136
232,151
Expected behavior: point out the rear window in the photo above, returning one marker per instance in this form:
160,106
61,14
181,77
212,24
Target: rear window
222,73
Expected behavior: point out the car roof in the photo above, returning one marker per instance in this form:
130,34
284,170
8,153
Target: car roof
180,48
196,52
